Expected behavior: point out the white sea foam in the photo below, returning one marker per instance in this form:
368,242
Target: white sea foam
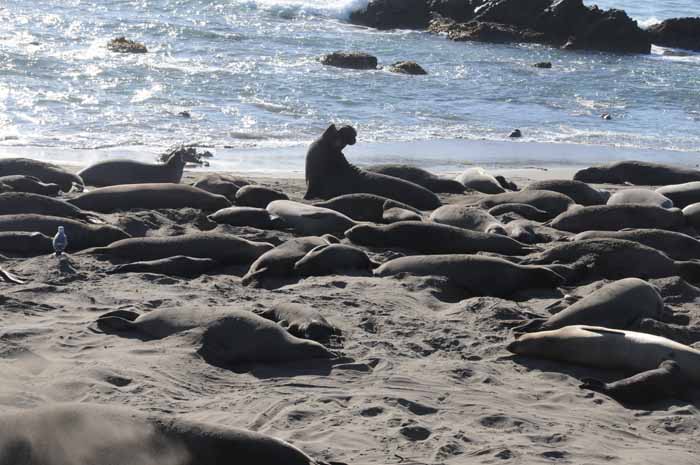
339,9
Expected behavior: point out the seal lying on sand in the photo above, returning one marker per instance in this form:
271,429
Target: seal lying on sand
30,184
17,203
682,195
243,216
221,185
553,203
258,196
676,245
116,172
279,262
479,180
468,217
98,434
46,172
308,219
334,259
23,242
328,174
478,275
362,207
179,265
523,210
150,197
419,176
580,192
639,173
616,217
640,196
302,321
434,238
396,215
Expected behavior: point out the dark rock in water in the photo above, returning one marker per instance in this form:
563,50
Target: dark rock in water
677,33
612,31
516,133
543,65
185,114
407,67
124,45
523,13
189,154
353,60
393,14
459,10
484,32
606,116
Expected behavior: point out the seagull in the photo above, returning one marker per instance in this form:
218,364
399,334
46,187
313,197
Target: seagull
60,241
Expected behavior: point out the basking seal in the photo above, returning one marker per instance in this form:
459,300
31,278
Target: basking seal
221,185
608,348
362,207
30,184
616,305
329,174
639,173
80,235
46,172
308,219
692,215
639,196
468,217
179,265
152,196
18,203
223,248
523,210
258,196
243,216
333,259
279,262
682,195
478,275
616,217
532,232
434,238
419,176
479,180
98,434
395,215
23,242
553,203
676,245
302,321
116,172
580,192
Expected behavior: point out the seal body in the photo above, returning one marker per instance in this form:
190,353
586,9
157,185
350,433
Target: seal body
362,207
677,246
46,172
616,217
279,262
30,184
419,176
479,180
24,242
523,210
179,265
258,196
302,321
395,215
682,195
17,203
551,202
333,259
639,173
243,216
221,185
117,172
638,196
692,214
580,192
468,217
308,219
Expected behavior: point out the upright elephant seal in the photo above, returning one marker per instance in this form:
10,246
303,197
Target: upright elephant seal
329,174
362,207
81,235
98,434
279,262
639,173
334,259
18,203
24,242
580,192
30,184
258,196
419,176
639,196
616,217
616,305
478,275
479,180
308,219
434,238
468,217
46,172
224,248
150,197
553,203
682,195
608,348
117,172
302,321
179,265
244,216
676,245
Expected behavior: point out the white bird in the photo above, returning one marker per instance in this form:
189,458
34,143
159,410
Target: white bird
60,241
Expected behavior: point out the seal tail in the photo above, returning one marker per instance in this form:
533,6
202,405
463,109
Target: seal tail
690,271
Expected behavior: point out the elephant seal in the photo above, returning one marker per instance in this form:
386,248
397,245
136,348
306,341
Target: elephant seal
333,259
532,232
118,172
395,215
616,305
361,207
580,192
308,219
98,434
279,262
523,210
479,180
221,185
553,203
616,217
150,197
434,238
639,173
692,215
639,196
329,174
30,184
179,265
665,382
223,248
157,324
682,195
46,172
25,243
419,176
478,275
258,196
18,203
81,235
468,217
608,348
676,245
302,321
243,216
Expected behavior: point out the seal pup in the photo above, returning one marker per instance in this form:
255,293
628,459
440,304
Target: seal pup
23,242
434,238
580,192
308,219
419,176
677,246
152,196
552,202
616,217
244,216
334,259
117,172
479,180
329,174
179,265
279,262
639,173
18,203
30,184
302,321
46,172
258,196
617,305
468,217
362,207
523,210
478,275
639,196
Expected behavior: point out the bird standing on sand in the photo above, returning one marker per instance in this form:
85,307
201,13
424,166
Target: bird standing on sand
60,241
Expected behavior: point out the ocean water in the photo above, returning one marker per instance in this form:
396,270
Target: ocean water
247,72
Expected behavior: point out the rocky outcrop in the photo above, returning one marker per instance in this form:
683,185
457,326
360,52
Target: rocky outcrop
407,67
124,45
353,60
677,33
612,31
412,14
484,32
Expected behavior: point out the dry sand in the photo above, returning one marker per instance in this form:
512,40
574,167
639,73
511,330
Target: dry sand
427,379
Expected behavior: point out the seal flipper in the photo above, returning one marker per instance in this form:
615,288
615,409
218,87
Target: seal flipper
253,279
116,321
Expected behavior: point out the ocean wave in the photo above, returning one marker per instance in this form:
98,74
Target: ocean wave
338,9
